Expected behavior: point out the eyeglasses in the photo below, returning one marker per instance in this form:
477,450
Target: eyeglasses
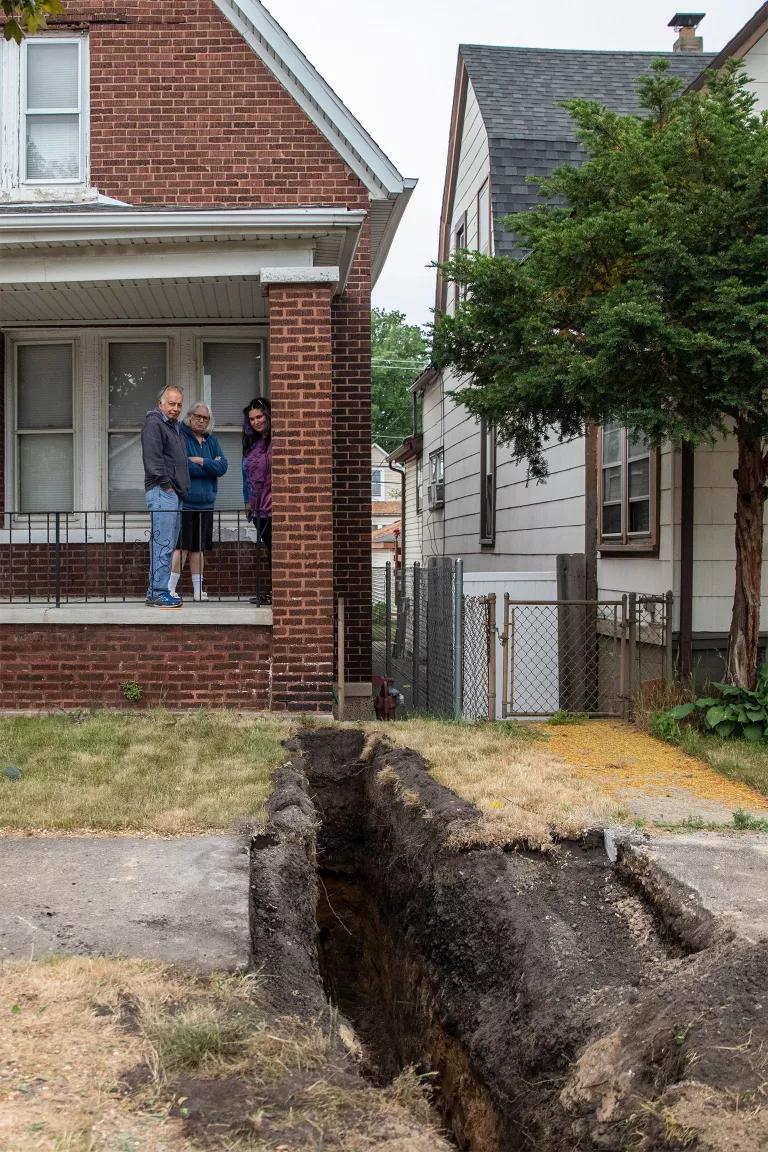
199,415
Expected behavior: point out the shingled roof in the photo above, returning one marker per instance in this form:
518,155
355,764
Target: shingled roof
519,91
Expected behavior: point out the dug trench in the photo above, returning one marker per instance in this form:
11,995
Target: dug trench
546,1003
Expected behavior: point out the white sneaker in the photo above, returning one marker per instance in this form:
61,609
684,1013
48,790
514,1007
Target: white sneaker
198,596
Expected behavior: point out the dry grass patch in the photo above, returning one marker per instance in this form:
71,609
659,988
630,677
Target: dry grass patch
102,1055
524,794
156,772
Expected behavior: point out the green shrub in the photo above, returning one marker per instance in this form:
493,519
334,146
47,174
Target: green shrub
739,712
664,726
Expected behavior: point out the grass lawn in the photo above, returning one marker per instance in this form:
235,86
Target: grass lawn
108,1055
737,759
155,772
522,791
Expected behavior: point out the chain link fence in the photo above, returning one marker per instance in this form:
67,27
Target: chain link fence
449,655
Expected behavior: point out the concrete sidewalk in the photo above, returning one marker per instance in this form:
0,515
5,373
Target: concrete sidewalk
182,901
704,885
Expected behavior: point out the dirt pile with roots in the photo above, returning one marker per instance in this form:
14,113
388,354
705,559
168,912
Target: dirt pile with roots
539,989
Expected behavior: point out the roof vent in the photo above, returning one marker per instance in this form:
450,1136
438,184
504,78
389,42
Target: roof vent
685,24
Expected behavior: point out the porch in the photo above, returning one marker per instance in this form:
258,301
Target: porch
99,309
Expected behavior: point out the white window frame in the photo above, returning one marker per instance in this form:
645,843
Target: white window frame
108,430
14,183
12,470
91,405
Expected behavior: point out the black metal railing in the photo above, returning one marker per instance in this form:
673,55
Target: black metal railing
98,556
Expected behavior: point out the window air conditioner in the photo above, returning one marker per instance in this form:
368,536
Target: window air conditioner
436,494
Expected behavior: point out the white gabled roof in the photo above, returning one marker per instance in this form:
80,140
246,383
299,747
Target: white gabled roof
389,191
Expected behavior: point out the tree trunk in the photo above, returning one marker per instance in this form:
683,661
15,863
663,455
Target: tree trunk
750,502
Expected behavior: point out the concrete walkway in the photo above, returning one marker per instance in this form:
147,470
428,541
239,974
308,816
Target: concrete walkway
181,901
705,884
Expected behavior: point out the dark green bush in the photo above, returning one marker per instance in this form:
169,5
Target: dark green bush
738,712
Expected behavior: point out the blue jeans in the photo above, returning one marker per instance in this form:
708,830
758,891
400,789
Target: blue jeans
165,516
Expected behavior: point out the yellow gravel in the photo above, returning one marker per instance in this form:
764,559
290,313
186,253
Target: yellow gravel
622,761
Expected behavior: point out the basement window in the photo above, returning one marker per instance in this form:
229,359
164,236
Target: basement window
628,491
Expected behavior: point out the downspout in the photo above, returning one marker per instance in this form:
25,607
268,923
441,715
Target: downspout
401,473
686,562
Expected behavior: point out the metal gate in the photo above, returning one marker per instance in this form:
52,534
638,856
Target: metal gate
587,656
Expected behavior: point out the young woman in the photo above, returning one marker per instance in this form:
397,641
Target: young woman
257,473
206,463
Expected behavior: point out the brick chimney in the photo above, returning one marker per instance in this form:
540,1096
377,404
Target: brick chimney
685,24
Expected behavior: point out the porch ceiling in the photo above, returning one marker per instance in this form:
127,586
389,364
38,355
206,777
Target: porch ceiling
87,266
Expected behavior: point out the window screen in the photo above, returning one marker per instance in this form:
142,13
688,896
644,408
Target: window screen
53,112
44,428
137,374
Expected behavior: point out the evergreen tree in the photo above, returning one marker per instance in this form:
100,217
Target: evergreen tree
644,300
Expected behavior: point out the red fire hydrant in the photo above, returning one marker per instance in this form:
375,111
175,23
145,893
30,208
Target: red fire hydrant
385,703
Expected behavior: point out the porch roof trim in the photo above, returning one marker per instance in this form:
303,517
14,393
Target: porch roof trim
135,224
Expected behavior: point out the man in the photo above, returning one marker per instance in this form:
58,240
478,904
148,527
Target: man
166,483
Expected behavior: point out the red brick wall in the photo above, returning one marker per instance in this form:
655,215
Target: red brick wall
352,461
184,114
302,495
116,571
83,665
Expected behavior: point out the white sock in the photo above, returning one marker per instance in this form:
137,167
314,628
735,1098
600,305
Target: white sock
197,584
173,581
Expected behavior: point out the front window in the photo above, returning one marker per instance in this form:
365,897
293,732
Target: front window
76,408
44,114
232,376
627,489
138,372
44,427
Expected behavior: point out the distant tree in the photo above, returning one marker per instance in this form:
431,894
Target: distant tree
644,301
399,351
27,16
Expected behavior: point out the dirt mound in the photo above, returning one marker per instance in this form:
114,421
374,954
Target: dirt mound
540,988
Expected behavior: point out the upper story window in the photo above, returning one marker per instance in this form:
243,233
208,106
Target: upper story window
628,490
487,482
377,484
484,219
460,244
43,115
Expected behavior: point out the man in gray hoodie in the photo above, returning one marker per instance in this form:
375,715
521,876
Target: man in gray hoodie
166,483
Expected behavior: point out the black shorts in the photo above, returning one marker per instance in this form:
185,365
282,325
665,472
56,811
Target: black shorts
196,533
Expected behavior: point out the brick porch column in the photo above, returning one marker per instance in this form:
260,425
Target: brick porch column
302,494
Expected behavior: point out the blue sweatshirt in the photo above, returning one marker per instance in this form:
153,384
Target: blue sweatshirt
204,477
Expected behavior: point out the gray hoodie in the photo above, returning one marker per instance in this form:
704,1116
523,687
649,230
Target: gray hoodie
164,452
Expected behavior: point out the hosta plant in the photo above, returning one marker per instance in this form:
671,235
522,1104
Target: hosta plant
734,712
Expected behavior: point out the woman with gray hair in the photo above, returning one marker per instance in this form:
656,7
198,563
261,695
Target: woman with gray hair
206,463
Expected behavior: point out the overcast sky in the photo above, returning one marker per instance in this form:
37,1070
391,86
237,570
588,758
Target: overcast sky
393,64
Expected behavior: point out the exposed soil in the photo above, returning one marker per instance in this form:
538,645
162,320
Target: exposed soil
538,988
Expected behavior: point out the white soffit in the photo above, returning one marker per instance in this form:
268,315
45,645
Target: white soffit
313,94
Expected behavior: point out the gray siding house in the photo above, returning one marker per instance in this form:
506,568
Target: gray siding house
645,521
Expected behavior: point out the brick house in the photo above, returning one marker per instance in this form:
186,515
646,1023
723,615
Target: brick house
183,199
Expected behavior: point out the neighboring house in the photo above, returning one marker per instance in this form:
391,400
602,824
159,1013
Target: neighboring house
183,199
645,521
386,490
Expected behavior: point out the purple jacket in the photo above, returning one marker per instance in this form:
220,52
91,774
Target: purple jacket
257,478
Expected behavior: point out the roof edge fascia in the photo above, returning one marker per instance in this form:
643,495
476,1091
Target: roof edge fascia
458,108
71,226
314,95
398,206
745,39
